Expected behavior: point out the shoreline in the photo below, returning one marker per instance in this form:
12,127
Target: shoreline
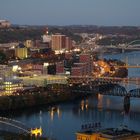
10,103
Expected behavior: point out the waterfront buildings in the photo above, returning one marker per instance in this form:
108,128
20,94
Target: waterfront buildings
12,85
83,67
9,84
108,134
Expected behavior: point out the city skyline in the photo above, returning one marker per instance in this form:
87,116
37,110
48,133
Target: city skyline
80,12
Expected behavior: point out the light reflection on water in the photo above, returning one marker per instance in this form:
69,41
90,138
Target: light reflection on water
63,120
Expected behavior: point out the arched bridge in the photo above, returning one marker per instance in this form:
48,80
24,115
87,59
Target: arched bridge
134,43
105,89
113,90
117,90
135,92
12,125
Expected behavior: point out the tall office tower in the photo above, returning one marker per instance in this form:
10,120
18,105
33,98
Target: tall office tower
58,42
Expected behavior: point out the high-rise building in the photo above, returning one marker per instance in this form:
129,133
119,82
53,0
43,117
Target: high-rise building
86,58
58,42
21,51
68,43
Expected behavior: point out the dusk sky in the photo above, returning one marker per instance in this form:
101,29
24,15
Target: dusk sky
71,12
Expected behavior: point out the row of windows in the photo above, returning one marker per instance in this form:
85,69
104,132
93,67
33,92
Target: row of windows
83,138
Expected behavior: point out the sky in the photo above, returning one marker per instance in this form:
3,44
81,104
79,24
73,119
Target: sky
71,12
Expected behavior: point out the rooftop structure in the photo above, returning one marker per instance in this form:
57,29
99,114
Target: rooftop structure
121,133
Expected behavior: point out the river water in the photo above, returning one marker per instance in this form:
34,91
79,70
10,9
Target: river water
63,120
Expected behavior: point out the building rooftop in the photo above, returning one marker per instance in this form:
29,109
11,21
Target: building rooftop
117,132
111,133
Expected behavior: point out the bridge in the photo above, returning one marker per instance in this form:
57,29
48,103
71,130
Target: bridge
103,85
109,89
128,66
11,125
133,45
87,80
117,90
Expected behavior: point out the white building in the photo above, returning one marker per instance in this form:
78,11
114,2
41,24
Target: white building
4,24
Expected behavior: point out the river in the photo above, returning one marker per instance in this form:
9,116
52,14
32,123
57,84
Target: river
63,120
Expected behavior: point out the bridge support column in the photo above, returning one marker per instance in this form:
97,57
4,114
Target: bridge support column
123,50
126,104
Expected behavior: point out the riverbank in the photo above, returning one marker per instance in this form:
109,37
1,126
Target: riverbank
40,96
36,99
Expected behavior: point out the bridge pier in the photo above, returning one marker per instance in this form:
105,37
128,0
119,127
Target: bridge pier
126,104
123,50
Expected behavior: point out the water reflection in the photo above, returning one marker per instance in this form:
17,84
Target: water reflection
100,101
65,119
55,110
84,105
126,120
